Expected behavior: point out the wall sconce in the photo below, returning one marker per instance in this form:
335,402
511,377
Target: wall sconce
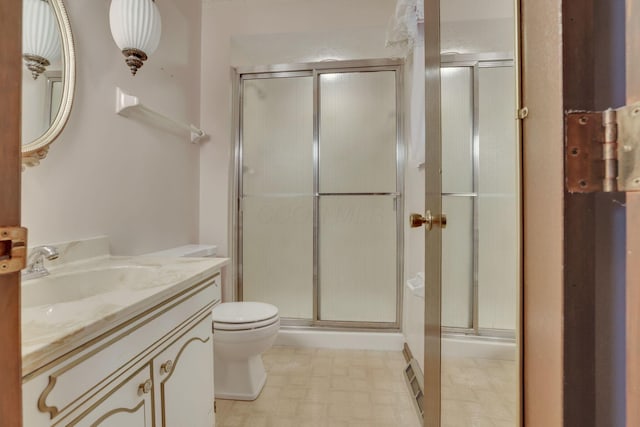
40,36
136,27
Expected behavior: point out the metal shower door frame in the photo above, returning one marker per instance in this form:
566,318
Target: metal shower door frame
315,70
476,62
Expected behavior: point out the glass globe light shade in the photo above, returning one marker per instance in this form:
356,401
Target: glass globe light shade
135,27
40,36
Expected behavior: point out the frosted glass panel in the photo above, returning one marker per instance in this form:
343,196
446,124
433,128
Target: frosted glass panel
457,263
277,135
497,130
357,261
497,210
278,253
358,132
355,250
498,252
457,130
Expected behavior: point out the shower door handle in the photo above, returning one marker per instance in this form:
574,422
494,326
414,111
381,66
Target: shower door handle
429,220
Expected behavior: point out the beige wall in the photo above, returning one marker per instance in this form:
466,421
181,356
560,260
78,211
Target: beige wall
35,115
471,26
134,181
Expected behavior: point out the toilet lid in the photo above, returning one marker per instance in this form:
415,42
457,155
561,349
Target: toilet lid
243,312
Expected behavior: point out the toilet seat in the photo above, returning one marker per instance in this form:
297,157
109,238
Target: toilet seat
242,316
242,332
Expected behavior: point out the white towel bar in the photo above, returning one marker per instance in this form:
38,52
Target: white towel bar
126,102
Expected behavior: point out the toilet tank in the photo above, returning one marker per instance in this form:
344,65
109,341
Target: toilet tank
188,251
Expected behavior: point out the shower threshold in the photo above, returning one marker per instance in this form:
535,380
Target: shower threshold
334,338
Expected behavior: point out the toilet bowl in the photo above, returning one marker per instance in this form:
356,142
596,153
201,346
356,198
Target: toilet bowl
242,332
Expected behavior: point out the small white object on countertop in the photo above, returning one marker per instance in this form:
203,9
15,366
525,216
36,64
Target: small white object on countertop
416,285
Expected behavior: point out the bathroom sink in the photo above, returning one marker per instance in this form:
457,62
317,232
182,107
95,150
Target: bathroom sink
78,285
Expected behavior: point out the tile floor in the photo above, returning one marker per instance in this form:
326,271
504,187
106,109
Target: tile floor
348,388
479,393
326,388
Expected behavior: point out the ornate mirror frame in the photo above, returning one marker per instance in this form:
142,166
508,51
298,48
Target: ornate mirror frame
37,150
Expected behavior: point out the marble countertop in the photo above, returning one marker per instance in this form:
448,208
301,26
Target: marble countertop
50,330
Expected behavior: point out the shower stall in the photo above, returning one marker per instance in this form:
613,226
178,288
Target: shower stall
318,200
480,182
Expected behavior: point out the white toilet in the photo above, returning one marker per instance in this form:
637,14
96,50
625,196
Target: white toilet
242,332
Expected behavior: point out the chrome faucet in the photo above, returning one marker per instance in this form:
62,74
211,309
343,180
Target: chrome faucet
35,262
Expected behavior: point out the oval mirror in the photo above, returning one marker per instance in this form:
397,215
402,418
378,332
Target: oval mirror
48,76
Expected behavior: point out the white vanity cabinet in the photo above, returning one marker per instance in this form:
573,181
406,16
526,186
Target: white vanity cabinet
128,405
181,389
154,369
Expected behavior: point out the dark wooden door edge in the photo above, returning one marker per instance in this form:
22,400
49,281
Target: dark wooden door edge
10,174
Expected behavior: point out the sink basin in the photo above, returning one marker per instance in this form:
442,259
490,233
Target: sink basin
77,285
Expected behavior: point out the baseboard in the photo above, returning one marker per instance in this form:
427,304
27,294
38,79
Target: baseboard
478,347
381,341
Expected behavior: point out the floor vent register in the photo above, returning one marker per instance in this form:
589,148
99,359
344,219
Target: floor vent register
415,380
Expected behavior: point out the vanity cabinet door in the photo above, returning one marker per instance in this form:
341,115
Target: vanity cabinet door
127,405
184,379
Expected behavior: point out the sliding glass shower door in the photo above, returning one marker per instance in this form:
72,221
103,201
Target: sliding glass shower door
277,193
357,196
480,195
319,194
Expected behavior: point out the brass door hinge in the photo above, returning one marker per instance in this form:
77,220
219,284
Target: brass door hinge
13,249
602,150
